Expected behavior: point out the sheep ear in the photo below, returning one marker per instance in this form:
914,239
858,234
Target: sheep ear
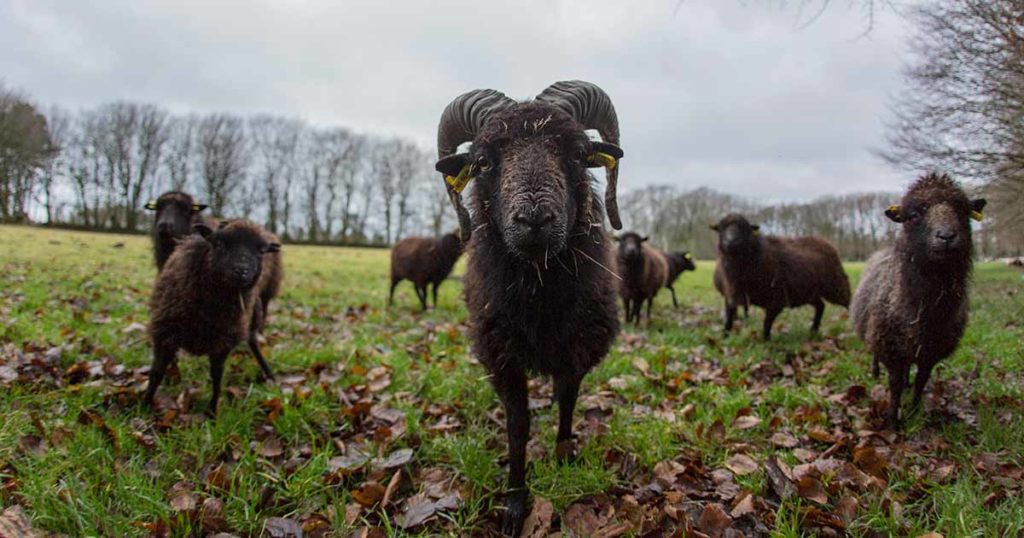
644,239
202,229
687,256
976,206
451,165
150,205
196,208
756,229
604,155
273,247
713,227
895,213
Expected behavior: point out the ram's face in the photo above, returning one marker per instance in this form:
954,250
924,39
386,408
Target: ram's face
937,230
735,234
237,255
173,214
630,247
532,181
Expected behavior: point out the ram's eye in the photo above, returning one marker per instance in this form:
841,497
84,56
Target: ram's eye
484,164
578,156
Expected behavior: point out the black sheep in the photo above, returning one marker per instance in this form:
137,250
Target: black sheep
776,272
539,283
678,263
207,300
911,304
644,271
176,212
423,260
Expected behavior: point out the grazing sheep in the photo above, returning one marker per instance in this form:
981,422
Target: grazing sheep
423,260
176,212
539,284
678,262
644,272
776,272
207,299
911,304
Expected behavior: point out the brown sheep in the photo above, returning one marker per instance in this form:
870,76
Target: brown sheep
207,300
678,263
539,285
423,260
911,304
644,271
176,212
776,272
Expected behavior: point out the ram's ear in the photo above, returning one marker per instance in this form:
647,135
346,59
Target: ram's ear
713,227
756,228
603,155
202,229
977,205
452,164
150,205
644,239
196,208
895,213
273,247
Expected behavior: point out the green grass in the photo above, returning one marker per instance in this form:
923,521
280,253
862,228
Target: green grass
77,290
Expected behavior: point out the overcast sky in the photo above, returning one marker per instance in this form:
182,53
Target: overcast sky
731,94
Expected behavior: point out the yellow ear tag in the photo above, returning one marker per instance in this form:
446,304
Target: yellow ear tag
977,215
460,181
195,207
603,159
687,256
757,232
151,205
893,208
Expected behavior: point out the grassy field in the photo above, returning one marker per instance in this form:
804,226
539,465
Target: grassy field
381,423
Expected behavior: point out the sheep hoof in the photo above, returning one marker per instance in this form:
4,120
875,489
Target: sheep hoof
515,514
565,450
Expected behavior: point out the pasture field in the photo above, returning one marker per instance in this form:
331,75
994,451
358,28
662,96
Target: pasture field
381,423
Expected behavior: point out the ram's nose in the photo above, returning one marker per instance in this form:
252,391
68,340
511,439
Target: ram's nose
537,220
946,236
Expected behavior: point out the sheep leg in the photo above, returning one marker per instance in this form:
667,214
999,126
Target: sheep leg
897,382
216,374
874,366
650,303
924,372
391,294
436,284
675,304
769,320
819,310
254,346
511,386
567,389
730,316
421,292
162,357
637,305
628,309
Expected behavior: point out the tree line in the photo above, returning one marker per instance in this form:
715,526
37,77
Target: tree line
97,168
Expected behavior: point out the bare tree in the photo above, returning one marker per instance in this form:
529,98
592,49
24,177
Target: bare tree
343,162
180,155
963,108
25,147
223,158
408,165
382,166
274,144
59,124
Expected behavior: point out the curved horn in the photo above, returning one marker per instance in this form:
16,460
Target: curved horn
590,105
460,122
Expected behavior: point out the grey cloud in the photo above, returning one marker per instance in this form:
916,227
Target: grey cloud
727,94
